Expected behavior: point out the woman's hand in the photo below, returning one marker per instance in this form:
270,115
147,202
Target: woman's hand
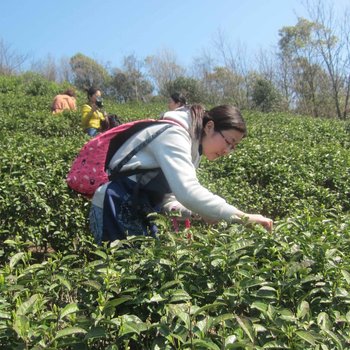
261,220
248,218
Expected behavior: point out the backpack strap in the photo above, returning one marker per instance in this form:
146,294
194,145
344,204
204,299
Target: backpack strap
115,173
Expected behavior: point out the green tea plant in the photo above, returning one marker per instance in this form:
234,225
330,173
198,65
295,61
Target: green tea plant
207,287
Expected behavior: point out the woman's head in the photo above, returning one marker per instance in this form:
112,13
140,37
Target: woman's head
93,93
220,129
176,100
70,92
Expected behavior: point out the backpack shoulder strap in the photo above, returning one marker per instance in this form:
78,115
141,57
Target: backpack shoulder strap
116,170
123,136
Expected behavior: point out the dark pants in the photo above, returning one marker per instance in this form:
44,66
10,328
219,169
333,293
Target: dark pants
125,211
92,131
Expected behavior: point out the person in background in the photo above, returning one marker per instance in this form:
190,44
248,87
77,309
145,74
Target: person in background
92,114
64,101
169,182
176,101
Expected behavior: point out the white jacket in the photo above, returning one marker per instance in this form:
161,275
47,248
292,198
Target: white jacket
177,155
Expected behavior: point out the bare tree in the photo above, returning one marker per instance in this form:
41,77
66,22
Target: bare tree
10,61
203,64
132,67
234,58
347,66
164,68
332,40
129,83
266,64
272,69
202,68
46,67
303,65
65,72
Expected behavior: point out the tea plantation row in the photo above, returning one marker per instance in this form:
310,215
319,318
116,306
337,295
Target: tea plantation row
210,287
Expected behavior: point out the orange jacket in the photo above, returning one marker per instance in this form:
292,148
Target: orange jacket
62,102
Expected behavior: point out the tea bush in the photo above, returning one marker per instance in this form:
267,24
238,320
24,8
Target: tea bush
209,287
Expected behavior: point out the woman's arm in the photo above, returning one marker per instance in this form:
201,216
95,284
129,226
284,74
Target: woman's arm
175,161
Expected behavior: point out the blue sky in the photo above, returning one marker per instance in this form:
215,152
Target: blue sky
111,29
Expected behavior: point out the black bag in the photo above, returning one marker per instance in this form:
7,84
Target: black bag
111,121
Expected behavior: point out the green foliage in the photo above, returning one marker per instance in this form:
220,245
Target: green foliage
130,86
87,72
294,39
189,87
130,83
207,287
265,95
312,57
36,85
285,165
225,86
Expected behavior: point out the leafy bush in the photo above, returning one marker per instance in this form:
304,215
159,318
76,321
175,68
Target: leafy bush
265,96
207,287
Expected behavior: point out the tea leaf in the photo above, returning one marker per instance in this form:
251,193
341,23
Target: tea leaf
69,309
286,314
115,302
168,285
5,315
208,307
156,298
341,293
230,339
96,332
131,324
258,328
251,282
346,275
303,309
179,295
92,283
21,325
306,336
16,258
28,305
204,325
267,292
260,306
323,321
101,254
276,344
64,281
246,326
69,331
334,337
202,344
222,318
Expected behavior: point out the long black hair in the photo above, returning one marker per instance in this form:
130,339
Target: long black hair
225,117
178,98
91,91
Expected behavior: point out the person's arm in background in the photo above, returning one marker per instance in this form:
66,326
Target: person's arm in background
86,114
55,107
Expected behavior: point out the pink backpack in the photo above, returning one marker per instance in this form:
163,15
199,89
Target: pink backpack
88,171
